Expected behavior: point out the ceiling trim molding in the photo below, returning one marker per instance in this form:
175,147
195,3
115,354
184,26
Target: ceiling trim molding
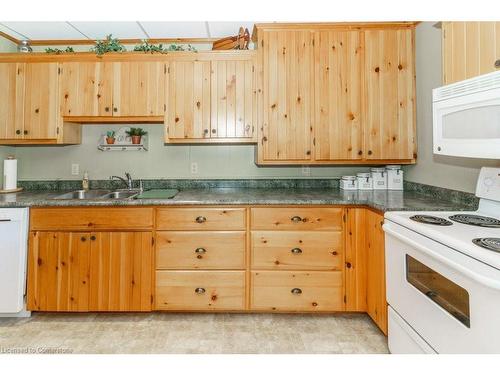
9,37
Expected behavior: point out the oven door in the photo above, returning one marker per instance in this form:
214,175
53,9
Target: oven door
450,299
468,125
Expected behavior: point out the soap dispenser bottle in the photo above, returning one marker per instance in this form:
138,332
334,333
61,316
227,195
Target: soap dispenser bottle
85,181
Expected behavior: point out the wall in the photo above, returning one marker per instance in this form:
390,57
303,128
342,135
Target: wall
449,172
161,161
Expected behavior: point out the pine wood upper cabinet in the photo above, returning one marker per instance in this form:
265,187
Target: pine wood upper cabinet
232,98
375,252
338,64
58,271
41,101
210,101
389,131
12,94
121,268
29,105
139,88
287,97
188,100
86,89
470,49
107,89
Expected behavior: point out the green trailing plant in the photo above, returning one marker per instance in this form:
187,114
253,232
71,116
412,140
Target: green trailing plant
110,134
109,44
58,51
147,47
136,132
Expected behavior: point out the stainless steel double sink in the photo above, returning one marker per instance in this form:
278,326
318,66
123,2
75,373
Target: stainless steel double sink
99,194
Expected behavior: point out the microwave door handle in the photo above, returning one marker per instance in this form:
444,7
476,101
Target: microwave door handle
493,284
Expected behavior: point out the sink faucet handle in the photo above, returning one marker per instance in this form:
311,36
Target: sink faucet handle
141,185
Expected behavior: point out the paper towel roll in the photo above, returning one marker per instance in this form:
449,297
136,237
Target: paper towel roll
10,173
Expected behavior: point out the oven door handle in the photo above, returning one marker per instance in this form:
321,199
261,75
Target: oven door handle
491,283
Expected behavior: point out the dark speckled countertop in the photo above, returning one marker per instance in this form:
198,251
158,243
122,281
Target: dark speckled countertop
412,200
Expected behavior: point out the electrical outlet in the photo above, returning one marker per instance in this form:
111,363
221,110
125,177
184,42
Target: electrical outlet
306,170
75,169
194,167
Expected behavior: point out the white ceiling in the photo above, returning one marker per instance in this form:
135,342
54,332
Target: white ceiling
121,30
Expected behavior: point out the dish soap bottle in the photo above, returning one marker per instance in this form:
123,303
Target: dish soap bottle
85,181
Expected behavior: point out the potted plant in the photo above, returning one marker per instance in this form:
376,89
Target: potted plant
110,137
136,135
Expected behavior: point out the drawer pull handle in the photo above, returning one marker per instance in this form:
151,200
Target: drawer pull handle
296,291
296,219
296,250
200,250
199,290
201,219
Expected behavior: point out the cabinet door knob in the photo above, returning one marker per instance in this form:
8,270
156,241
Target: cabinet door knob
296,219
201,219
106,109
83,239
348,265
370,152
25,132
115,109
92,238
296,291
497,64
296,250
199,290
200,250
18,131
37,110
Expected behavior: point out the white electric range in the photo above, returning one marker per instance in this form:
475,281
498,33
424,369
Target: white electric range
443,276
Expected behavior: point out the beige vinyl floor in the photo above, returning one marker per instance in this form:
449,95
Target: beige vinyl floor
191,333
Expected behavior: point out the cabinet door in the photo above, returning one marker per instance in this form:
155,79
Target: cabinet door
287,94
470,49
188,100
232,97
121,266
58,271
41,101
139,88
11,104
338,63
86,89
376,295
390,94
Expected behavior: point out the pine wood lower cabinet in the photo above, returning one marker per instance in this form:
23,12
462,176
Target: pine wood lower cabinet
376,294
243,258
200,290
59,271
87,271
297,291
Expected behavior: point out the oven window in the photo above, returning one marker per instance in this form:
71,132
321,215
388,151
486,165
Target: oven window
450,296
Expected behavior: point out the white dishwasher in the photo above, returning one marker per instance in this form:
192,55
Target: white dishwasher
13,254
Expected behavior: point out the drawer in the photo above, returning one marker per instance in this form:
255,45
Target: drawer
91,218
297,250
200,290
297,218
200,250
297,291
200,218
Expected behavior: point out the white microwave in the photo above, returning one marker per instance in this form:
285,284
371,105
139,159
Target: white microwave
466,118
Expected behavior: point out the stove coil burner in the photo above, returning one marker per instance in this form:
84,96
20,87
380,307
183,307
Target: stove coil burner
434,220
480,221
488,243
